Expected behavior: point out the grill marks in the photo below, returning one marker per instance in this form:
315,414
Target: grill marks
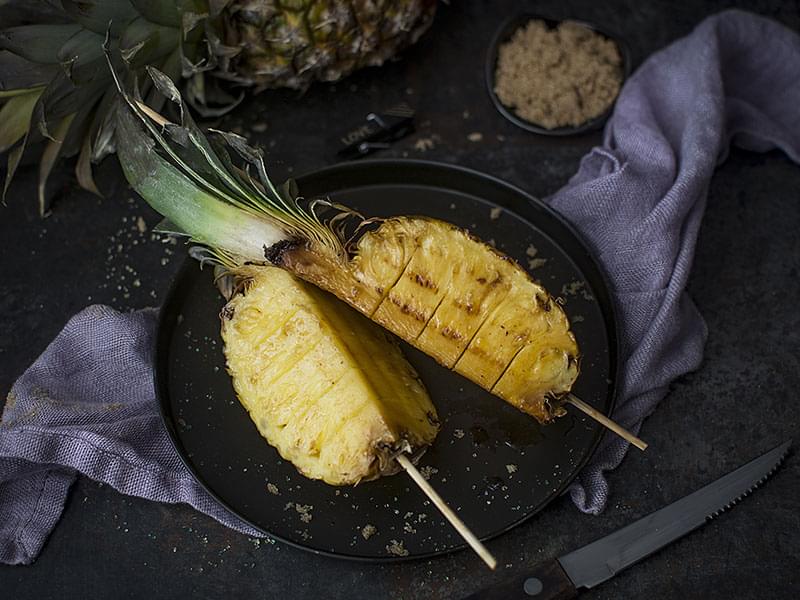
467,305
386,290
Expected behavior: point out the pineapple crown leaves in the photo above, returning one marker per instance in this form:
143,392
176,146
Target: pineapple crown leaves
193,181
56,91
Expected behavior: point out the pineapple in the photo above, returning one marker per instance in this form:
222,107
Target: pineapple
55,89
470,307
330,390
458,300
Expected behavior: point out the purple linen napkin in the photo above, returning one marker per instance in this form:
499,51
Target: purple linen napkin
87,404
638,200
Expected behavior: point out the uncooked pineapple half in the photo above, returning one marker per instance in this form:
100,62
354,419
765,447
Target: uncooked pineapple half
327,388
467,305
54,87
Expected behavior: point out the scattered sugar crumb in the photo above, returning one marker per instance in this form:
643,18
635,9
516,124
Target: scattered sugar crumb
572,289
531,251
458,433
427,471
495,213
273,489
396,548
259,127
578,319
408,528
141,225
304,510
511,468
475,136
535,263
368,531
425,144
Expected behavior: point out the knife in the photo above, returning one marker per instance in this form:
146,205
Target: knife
601,560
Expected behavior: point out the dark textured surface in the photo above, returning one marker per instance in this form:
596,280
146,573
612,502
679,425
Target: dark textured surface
741,402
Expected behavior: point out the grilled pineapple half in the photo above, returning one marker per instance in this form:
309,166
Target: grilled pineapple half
473,309
327,388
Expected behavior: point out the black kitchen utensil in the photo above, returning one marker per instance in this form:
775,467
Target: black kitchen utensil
493,464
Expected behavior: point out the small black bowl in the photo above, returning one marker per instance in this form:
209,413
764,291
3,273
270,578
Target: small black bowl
504,33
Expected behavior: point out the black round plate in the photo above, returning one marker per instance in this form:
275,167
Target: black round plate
493,464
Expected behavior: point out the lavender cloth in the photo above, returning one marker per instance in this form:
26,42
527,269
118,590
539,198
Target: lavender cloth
639,198
87,405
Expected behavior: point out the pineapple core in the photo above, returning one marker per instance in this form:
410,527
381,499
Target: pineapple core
330,390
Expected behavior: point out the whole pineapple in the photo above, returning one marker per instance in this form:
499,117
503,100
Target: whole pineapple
291,43
55,87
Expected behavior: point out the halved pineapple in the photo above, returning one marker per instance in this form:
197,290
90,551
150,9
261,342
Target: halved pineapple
473,309
330,390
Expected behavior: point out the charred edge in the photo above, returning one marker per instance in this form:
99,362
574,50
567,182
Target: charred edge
227,312
554,404
406,309
433,314
274,254
423,281
543,303
432,419
467,307
451,333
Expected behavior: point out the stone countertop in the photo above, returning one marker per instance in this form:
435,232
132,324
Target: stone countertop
741,402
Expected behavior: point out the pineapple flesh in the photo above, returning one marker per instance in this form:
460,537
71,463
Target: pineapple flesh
327,388
473,309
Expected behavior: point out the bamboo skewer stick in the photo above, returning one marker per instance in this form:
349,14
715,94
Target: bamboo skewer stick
462,529
606,422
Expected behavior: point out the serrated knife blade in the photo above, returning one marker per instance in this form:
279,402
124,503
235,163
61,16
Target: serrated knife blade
604,558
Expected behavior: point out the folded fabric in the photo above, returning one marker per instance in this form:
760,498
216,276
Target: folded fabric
639,199
87,405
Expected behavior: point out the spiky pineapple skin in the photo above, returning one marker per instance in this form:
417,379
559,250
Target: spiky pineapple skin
291,43
322,384
473,309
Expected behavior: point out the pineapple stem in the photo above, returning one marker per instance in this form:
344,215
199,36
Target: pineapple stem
192,181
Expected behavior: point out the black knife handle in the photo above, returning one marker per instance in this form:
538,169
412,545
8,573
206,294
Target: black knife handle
547,581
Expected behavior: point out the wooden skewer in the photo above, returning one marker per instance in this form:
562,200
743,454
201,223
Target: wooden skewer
462,529
605,421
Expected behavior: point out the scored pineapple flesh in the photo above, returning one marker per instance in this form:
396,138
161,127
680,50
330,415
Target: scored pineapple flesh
470,307
330,390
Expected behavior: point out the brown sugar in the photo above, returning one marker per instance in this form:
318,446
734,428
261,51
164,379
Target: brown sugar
564,76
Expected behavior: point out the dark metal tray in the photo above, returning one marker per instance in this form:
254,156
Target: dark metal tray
493,464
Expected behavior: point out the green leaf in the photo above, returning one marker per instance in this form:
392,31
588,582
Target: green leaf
144,43
17,73
161,12
15,118
83,168
13,162
191,209
37,43
62,97
96,15
22,12
103,125
49,157
81,55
